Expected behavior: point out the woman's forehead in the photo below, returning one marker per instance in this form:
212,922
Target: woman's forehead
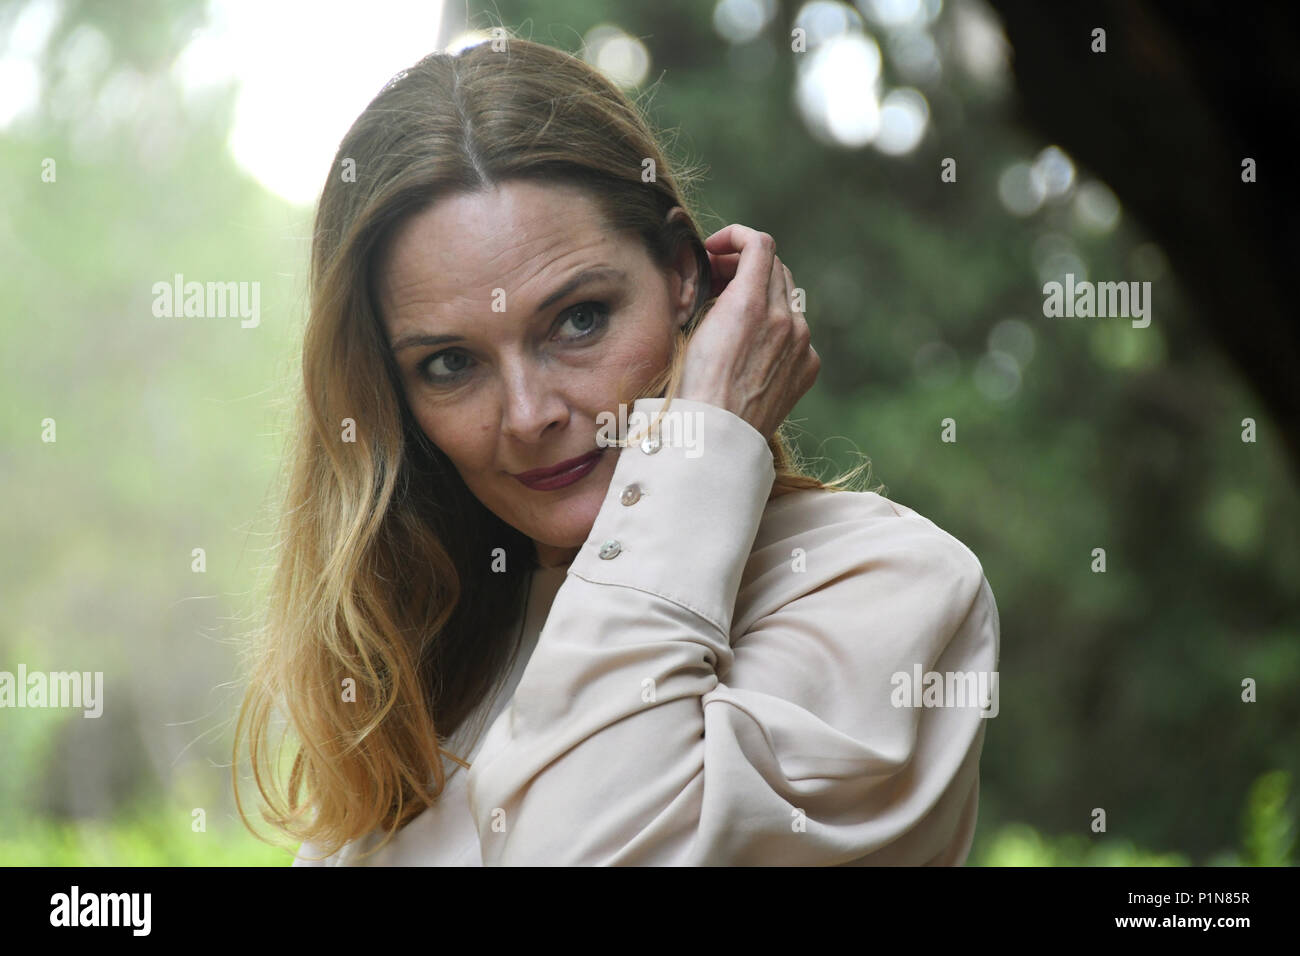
469,250
504,216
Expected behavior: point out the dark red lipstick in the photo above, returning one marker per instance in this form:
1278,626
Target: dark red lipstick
561,475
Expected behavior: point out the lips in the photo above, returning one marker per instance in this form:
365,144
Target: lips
558,468
565,473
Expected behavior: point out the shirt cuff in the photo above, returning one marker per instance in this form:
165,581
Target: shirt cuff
681,514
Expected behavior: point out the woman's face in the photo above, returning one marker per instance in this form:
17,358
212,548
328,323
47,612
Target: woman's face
516,318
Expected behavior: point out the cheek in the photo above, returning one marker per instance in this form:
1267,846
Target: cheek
460,435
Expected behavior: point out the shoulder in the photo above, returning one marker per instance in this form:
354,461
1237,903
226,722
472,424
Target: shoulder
844,528
855,546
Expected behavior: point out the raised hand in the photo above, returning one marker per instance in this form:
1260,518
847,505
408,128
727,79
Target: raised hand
752,353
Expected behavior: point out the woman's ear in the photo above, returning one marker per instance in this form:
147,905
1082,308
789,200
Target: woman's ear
686,284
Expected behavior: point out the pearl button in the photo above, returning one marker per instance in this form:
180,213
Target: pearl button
610,549
650,445
631,494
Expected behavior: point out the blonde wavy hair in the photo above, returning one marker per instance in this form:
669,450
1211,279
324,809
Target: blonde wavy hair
381,576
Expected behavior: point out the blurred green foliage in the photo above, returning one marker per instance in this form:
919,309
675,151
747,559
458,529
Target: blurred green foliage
146,837
142,838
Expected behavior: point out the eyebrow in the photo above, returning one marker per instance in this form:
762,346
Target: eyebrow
585,277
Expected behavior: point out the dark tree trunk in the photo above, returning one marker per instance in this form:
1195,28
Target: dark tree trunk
1184,92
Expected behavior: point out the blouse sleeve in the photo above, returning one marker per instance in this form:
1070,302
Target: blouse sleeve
643,731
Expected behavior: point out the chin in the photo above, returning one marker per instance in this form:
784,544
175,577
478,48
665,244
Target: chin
572,522
567,524
563,518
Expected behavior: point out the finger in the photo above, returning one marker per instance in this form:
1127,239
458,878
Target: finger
756,252
722,270
789,290
727,239
725,263
800,319
713,238
778,296
813,367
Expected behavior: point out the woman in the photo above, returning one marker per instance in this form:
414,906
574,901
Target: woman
506,627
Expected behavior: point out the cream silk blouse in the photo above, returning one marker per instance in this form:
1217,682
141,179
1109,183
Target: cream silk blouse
717,679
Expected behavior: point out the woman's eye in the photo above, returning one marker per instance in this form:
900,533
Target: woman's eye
586,318
444,365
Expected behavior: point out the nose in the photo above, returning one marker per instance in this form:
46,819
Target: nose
532,402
